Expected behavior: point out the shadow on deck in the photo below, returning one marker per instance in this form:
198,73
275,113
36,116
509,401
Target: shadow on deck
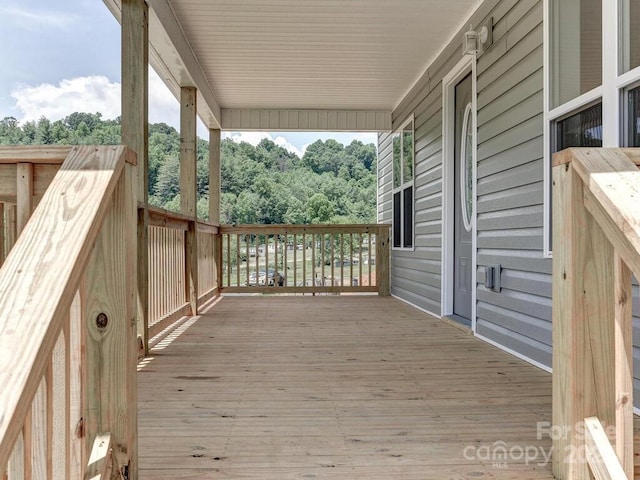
337,387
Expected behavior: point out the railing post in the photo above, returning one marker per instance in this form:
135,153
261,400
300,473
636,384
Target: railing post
382,261
191,267
583,319
142,306
110,331
217,252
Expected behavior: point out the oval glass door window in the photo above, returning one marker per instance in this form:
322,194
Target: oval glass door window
466,168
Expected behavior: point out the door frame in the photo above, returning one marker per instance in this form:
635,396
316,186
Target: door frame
465,66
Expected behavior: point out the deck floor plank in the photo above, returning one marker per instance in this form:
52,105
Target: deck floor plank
335,387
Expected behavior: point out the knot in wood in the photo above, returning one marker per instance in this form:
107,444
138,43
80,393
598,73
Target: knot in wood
101,321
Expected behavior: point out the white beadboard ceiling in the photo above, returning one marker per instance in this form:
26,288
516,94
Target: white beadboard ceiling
361,55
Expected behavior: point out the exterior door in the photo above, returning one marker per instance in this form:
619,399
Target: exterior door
463,201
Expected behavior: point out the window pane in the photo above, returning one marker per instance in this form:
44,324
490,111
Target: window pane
407,153
576,48
397,223
583,129
407,194
397,161
633,139
630,32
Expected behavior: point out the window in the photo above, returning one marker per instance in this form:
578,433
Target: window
592,94
630,35
633,117
403,164
582,129
576,48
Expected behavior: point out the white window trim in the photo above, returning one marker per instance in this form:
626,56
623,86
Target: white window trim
411,183
610,93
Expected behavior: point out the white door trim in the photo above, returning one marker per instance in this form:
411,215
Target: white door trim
465,66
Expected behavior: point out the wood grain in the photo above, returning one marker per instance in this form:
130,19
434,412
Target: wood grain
42,272
600,454
24,181
334,387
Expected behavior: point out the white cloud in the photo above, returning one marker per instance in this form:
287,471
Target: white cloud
34,20
82,94
91,94
254,138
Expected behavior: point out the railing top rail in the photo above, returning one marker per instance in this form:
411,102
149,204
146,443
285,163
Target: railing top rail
291,229
46,154
159,217
612,190
41,274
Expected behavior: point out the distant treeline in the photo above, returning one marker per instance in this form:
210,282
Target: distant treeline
267,184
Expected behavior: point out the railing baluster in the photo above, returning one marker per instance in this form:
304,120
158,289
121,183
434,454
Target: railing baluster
313,259
285,260
228,260
623,339
342,260
333,260
369,252
15,468
295,260
360,282
351,259
304,259
275,269
248,248
323,246
56,412
76,457
238,260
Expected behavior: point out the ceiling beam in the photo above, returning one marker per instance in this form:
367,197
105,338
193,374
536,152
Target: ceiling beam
306,120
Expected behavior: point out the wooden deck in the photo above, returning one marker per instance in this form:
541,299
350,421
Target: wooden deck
337,387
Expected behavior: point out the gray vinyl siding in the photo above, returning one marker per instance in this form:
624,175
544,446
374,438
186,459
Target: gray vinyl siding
509,187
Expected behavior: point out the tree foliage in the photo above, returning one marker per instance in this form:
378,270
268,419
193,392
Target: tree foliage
266,184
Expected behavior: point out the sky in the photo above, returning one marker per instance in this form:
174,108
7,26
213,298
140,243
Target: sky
63,56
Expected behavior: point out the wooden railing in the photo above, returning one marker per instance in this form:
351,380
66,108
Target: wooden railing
182,272
67,325
596,248
304,259
25,174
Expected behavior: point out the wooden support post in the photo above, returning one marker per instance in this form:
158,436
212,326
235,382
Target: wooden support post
108,296
214,200
24,197
217,241
188,151
583,309
382,261
135,133
623,337
214,176
188,190
191,267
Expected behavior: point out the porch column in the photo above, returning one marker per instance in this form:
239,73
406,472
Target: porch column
188,191
135,133
214,200
214,176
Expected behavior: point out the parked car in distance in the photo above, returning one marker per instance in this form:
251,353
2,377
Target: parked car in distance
276,278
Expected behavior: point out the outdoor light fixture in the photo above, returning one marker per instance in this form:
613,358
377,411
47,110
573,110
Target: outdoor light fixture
476,40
